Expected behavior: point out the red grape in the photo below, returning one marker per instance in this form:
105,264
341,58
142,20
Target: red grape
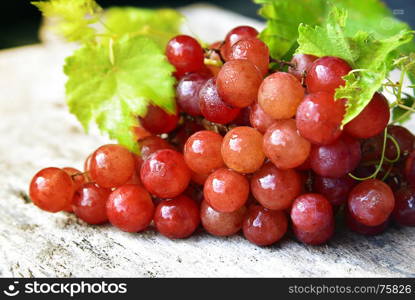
316,237
403,137
202,152
253,50
301,64
185,54
187,92
280,94
226,190
238,82
130,208
76,175
152,144
319,118
404,212
284,146
140,133
194,192
165,174
199,178
243,117
182,133
325,74
89,203
240,33
371,148
51,189
259,119
305,166
360,228
410,168
212,106
235,35
311,213
177,218
336,190
221,223
87,168
395,179
264,227
337,159
372,120
135,179
158,121
275,189
111,166
371,202
242,149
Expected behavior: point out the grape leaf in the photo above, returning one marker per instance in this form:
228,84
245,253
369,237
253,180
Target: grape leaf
329,39
73,18
370,58
160,25
112,92
283,18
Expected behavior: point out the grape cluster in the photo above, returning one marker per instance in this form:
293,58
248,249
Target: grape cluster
248,149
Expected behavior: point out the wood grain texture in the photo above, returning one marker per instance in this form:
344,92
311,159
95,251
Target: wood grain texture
37,131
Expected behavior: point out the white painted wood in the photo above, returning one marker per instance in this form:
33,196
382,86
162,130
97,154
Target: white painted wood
37,131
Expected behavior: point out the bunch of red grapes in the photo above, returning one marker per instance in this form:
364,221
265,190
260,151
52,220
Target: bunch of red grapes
249,149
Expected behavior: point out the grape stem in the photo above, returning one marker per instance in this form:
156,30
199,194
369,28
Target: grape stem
398,150
79,174
208,125
282,63
379,166
209,51
404,64
213,62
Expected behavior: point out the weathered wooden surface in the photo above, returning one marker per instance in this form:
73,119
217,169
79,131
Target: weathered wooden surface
37,131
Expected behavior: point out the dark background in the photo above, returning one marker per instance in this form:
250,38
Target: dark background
19,20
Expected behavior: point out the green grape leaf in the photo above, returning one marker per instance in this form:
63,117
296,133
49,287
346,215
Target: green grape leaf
329,39
71,19
160,24
283,19
371,59
112,85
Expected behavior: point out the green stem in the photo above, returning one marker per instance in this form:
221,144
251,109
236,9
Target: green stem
405,114
379,167
407,107
398,150
401,79
213,62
